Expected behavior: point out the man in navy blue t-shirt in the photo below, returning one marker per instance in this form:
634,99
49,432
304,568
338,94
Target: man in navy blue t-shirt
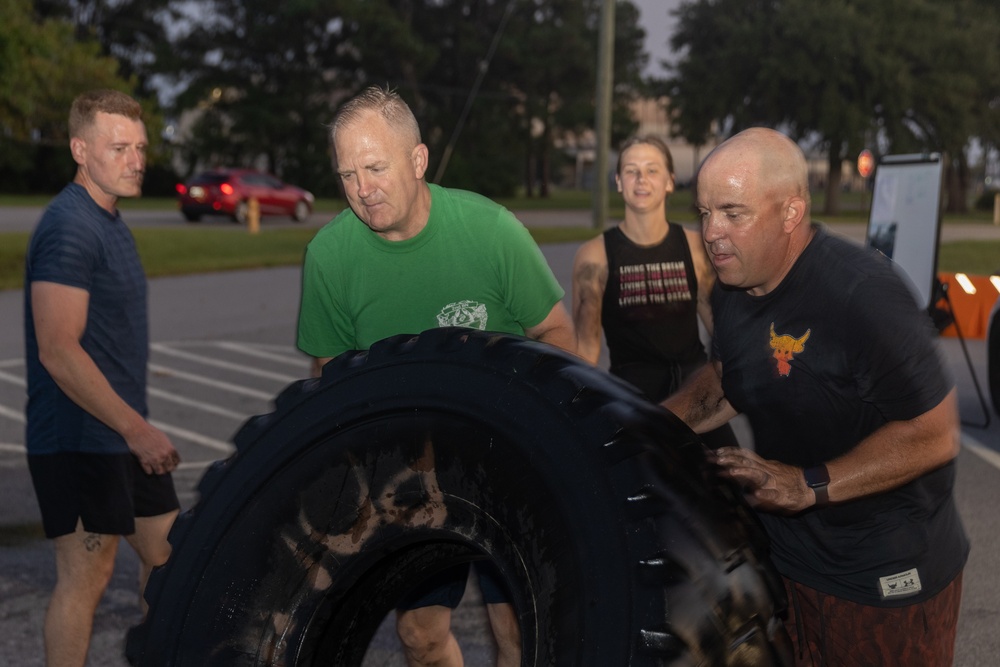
99,468
820,343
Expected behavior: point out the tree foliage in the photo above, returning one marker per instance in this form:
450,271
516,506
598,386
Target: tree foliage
260,93
42,68
134,32
258,82
897,75
257,76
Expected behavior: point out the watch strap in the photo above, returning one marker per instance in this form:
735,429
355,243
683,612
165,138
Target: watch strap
818,479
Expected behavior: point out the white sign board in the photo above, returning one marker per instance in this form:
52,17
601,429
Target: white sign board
905,218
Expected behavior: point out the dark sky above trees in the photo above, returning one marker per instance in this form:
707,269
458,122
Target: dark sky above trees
265,77
891,75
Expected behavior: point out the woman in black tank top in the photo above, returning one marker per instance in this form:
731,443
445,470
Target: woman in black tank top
646,283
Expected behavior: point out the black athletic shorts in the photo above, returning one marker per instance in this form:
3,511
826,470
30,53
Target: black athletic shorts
106,491
448,587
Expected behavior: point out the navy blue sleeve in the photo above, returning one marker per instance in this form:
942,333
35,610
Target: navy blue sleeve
64,253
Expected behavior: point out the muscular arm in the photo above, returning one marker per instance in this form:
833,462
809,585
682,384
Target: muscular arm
895,454
556,329
316,369
700,402
590,275
705,275
60,318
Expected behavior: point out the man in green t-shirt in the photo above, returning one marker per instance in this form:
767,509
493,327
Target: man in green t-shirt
406,257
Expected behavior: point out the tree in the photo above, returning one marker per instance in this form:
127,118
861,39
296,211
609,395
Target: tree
903,73
134,32
955,80
548,65
551,66
259,93
262,78
42,68
537,89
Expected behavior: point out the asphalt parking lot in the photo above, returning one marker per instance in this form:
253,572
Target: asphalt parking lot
223,346
222,349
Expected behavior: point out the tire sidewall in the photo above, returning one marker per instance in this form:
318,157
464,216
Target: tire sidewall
618,542
520,475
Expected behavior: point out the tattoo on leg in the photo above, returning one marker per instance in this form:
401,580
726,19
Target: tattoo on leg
92,542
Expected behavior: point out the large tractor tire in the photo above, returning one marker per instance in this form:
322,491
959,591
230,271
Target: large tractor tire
616,539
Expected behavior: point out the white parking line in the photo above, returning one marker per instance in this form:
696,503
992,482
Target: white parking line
196,438
223,447
16,415
218,384
13,379
177,431
197,405
981,450
210,361
255,351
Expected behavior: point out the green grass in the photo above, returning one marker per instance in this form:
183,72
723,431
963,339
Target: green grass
12,247
976,257
854,206
167,252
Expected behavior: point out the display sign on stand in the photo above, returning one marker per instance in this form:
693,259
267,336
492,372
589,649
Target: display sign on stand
905,218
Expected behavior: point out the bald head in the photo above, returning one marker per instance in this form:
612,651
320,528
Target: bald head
753,200
770,159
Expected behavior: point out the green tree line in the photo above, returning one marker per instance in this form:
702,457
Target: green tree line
895,76
257,81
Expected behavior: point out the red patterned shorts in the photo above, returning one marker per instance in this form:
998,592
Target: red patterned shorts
828,631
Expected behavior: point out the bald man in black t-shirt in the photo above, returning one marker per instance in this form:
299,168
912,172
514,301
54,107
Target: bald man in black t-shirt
821,344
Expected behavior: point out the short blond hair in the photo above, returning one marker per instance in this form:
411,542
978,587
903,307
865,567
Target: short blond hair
87,105
383,101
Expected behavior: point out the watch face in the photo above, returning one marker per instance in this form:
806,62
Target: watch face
816,476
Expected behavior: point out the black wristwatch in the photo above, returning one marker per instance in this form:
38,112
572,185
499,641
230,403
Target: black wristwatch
818,479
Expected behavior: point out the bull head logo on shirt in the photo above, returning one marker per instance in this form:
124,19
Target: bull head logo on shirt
785,348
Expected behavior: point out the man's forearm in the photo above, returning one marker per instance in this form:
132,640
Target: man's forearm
76,374
556,329
897,453
892,456
700,402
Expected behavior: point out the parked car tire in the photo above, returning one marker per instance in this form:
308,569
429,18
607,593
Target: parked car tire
618,542
190,216
302,211
242,212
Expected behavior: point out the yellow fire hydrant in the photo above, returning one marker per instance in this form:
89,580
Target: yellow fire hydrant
253,216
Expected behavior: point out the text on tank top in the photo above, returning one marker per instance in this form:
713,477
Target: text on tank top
649,311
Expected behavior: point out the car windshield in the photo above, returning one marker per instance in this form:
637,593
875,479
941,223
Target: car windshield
210,179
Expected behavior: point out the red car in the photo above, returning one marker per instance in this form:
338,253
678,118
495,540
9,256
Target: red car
229,191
